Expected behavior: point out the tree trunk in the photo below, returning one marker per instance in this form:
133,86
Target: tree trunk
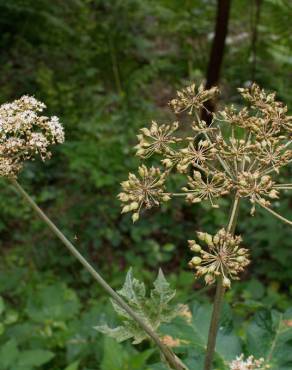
217,53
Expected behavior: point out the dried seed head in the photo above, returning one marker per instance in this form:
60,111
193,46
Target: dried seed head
223,256
146,190
241,151
188,99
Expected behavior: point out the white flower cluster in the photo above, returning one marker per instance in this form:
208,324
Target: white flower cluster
249,364
24,133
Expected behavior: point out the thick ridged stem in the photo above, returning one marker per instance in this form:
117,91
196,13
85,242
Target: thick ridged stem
213,330
173,361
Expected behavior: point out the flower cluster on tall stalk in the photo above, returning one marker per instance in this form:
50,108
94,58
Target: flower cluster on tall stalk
25,133
248,364
240,154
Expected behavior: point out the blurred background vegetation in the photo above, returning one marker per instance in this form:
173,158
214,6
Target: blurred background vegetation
106,68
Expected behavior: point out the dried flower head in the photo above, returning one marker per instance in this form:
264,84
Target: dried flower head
25,133
146,190
249,364
189,99
240,153
157,139
223,257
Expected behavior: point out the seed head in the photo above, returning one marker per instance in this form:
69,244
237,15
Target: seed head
241,152
146,190
222,257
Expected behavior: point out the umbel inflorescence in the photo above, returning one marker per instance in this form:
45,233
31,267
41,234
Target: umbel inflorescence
240,153
25,133
223,257
248,364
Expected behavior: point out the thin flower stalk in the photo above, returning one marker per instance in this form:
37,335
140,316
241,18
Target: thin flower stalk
25,133
220,290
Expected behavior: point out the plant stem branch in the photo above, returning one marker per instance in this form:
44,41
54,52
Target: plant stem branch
219,295
170,357
276,214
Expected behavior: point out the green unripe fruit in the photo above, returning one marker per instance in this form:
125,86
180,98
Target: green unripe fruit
196,248
196,261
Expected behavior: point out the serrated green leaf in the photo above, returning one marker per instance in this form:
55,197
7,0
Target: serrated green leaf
133,290
275,332
153,310
120,333
162,294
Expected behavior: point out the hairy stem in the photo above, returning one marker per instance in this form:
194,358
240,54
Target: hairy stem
170,357
219,295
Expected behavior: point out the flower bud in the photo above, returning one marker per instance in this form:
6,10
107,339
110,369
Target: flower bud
196,261
125,184
142,171
226,282
166,198
209,279
196,248
216,239
134,206
123,197
196,200
135,217
265,179
167,162
273,194
140,152
126,209
197,175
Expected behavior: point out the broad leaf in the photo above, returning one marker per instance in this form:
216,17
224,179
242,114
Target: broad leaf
153,310
269,335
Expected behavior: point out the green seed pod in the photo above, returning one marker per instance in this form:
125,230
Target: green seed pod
216,239
209,240
195,248
134,206
196,261
135,217
126,209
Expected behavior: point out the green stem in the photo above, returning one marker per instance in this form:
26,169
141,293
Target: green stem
219,295
170,357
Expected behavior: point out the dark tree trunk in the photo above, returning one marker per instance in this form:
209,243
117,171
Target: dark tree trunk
217,52
254,39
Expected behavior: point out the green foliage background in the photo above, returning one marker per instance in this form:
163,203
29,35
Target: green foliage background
107,67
